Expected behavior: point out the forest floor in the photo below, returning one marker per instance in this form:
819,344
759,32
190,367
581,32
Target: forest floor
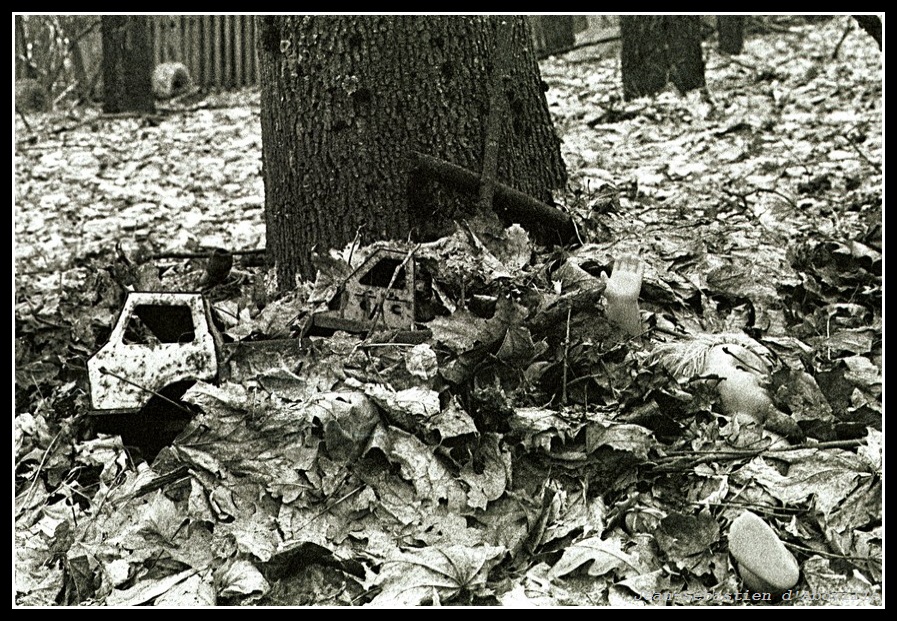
527,456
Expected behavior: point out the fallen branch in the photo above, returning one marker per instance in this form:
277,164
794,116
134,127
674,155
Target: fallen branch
679,461
493,121
532,214
159,482
153,117
25,121
743,195
794,546
787,198
842,39
201,255
865,157
566,354
580,45
40,467
780,449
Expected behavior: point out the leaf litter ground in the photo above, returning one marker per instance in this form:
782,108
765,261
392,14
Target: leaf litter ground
528,453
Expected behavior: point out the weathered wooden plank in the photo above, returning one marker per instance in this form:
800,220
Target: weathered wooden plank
207,37
156,34
217,36
227,43
239,78
253,54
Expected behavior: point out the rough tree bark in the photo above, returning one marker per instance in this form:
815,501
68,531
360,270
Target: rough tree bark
127,64
731,33
346,100
658,49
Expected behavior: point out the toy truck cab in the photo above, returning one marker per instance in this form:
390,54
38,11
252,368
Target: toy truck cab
159,339
379,295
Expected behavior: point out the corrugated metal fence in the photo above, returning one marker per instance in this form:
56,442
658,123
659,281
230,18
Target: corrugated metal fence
218,50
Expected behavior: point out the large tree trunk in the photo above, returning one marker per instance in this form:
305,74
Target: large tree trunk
127,64
347,99
731,33
658,49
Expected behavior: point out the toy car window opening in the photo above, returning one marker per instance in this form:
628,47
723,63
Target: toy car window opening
154,324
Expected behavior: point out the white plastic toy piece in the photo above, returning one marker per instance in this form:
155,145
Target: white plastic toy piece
159,339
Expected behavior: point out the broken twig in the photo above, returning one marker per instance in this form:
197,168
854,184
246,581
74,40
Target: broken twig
532,214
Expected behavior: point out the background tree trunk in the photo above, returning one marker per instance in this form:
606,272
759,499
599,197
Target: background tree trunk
683,36
643,55
872,25
127,64
346,99
75,29
657,49
553,33
731,33
21,51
